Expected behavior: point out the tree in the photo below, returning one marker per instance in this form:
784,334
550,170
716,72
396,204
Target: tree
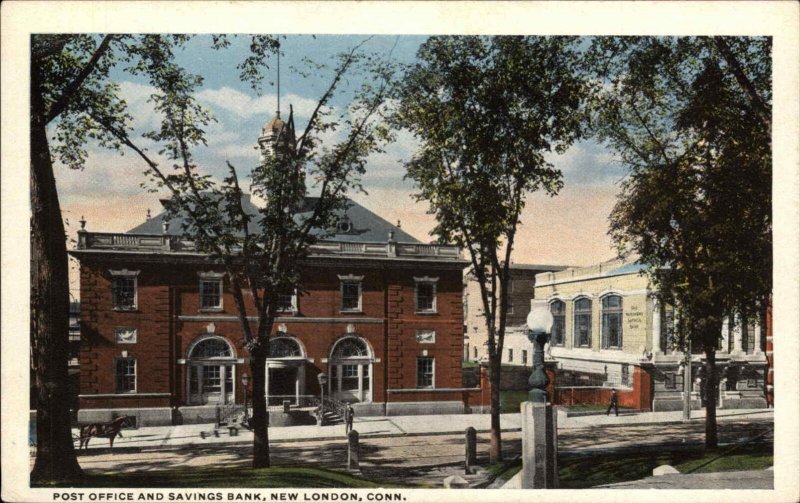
263,253
691,119
73,103
486,110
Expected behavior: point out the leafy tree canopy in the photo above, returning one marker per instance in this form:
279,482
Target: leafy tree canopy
691,118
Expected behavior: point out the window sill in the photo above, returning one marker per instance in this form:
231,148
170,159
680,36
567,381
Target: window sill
426,312
210,310
125,309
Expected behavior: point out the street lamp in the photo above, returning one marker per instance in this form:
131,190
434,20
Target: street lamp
540,323
322,378
245,382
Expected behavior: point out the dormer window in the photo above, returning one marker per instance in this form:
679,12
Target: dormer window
344,225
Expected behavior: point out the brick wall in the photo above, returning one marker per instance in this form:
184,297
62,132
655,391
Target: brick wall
168,290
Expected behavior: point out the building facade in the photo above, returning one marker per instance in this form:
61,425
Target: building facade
609,331
377,311
517,349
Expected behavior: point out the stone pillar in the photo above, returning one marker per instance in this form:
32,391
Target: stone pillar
352,451
656,332
759,335
470,454
737,336
539,446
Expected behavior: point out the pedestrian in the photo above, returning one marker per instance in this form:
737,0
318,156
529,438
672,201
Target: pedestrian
613,402
349,414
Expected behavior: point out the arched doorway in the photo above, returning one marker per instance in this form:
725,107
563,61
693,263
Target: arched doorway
350,370
210,378
286,371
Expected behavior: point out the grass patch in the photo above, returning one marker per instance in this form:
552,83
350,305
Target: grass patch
504,470
580,473
231,477
510,400
469,365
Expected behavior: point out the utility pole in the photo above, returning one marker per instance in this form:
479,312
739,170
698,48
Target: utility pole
687,380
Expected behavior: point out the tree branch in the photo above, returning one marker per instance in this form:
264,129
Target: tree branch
69,92
761,108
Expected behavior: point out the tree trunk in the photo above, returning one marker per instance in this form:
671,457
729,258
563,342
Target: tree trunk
711,397
495,442
55,451
258,369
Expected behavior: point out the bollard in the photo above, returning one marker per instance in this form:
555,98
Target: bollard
286,406
470,455
217,416
352,451
233,431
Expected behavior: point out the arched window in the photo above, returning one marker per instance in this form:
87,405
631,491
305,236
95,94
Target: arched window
352,347
211,348
559,310
583,323
612,322
284,347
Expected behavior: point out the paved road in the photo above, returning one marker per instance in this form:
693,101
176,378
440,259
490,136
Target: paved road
421,459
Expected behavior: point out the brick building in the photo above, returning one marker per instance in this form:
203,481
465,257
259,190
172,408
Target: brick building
379,312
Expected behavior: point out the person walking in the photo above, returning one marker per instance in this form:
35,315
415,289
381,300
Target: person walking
349,414
613,402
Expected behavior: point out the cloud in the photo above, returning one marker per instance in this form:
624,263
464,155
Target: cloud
246,106
588,163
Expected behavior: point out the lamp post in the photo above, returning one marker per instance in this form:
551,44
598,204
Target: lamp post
322,378
540,323
245,382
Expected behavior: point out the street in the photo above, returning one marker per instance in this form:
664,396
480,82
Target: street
423,460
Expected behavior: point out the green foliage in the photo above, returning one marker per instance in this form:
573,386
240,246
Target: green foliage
486,110
691,119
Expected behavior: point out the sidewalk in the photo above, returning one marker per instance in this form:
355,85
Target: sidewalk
750,479
388,426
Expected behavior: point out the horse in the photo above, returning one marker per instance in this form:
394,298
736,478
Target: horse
109,430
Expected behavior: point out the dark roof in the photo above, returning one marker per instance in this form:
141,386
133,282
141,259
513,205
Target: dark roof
364,225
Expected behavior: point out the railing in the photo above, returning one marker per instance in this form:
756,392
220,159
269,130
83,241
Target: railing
229,414
166,242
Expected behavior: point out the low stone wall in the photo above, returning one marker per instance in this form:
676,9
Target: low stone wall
155,416
423,408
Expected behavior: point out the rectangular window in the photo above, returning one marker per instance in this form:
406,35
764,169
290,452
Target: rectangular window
426,297
583,323
211,294
425,372
351,296
626,374
524,357
126,375
475,352
287,302
510,355
123,292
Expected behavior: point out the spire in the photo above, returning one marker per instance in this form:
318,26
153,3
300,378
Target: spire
278,111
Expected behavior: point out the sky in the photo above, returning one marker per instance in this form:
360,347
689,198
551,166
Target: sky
568,229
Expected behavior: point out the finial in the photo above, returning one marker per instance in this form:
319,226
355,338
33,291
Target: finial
398,223
148,213
82,221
